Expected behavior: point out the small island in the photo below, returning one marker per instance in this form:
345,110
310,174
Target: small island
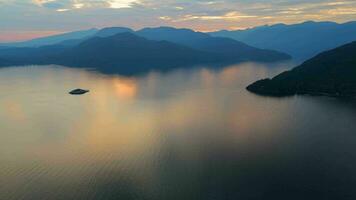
78,92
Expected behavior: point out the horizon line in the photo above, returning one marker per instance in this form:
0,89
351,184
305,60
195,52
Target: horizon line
50,33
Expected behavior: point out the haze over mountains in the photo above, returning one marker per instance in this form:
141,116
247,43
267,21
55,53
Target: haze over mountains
112,49
301,41
331,73
50,40
229,48
128,53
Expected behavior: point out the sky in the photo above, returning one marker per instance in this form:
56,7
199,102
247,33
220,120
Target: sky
26,19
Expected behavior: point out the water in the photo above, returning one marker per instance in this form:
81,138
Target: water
185,134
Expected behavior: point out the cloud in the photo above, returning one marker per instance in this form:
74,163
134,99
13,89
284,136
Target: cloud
62,10
121,3
230,16
81,4
166,18
203,15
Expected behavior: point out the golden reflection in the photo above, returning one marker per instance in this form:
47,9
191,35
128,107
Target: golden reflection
14,111
109,122
105,126
107,134
151,83
207,77
229,75
125,88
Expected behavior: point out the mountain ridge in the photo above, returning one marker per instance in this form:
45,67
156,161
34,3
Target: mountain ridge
297,40
112,54
331,73
53,39
130,48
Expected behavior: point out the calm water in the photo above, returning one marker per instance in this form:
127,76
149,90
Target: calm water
186,134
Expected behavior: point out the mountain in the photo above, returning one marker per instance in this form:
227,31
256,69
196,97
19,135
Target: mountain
29,55
229,48
233,49
107,32
68,39
179,36
110,49
127,49
301,41
122,53
51,40
4,62
331,73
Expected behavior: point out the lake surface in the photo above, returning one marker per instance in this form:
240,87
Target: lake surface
186,134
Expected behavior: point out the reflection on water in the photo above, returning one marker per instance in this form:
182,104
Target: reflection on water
185,134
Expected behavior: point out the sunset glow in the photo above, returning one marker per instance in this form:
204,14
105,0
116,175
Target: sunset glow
50,16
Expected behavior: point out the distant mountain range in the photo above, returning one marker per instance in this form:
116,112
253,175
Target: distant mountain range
301,41
107,32
51,40
231,49
111,49
331,73
128,53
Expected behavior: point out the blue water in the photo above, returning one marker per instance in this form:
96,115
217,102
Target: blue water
184,134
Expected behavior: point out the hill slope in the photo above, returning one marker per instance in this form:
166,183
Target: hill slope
301,41
179,36
51,40
129,49
105,32
110,31
231,49
331,73
121,53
